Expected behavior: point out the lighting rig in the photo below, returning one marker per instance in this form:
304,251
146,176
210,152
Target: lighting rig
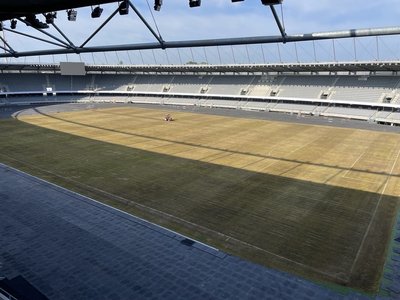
32,20
194,3
72,14
50,17
197,3
66,46
96,12
13,24
123,8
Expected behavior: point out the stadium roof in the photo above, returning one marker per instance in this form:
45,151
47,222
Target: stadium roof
217,32
372,66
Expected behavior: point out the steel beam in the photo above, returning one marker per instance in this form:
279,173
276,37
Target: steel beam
10,49
278,22
219,42
34,37
98,29
137,12
44,32
63,35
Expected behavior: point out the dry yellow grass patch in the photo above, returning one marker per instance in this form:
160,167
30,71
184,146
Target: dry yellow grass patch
350,158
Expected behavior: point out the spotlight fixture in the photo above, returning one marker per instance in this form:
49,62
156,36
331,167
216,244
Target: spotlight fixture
31,20
72,13
13,24
50,17
271,2
123,8
157,5
194,3
96,12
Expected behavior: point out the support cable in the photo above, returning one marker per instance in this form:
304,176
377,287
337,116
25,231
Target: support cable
377,48
263,54
129,57
205,54
154,19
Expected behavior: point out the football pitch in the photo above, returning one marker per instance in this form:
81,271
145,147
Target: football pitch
313,200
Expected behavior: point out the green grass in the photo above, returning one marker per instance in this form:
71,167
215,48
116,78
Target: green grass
307,228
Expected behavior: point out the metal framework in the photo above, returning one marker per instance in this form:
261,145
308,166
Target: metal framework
66,46
351,67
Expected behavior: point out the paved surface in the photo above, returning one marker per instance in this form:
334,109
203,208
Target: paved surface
390,285
273,116
71,247
9,111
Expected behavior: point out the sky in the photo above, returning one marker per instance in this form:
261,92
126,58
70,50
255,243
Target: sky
222,19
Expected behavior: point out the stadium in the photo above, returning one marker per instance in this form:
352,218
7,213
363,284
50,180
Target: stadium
201,179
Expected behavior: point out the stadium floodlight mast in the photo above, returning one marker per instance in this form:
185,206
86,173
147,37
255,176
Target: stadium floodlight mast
66,46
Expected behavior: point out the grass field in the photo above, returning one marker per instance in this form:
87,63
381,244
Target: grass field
316,201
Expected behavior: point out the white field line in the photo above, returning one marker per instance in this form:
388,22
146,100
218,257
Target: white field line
106,205
361,180
277,159
374,214
227,237
295,150
352,166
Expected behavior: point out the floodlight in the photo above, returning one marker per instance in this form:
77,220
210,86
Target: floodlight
13,24
123,8
50,17
271,2
194,3
96,12
72,13
31,20
157,5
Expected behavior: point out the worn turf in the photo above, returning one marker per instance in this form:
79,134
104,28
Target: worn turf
316,201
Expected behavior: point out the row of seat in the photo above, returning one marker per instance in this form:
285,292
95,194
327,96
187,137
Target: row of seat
371,89
391,117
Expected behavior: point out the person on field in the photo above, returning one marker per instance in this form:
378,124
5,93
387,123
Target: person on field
168,118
